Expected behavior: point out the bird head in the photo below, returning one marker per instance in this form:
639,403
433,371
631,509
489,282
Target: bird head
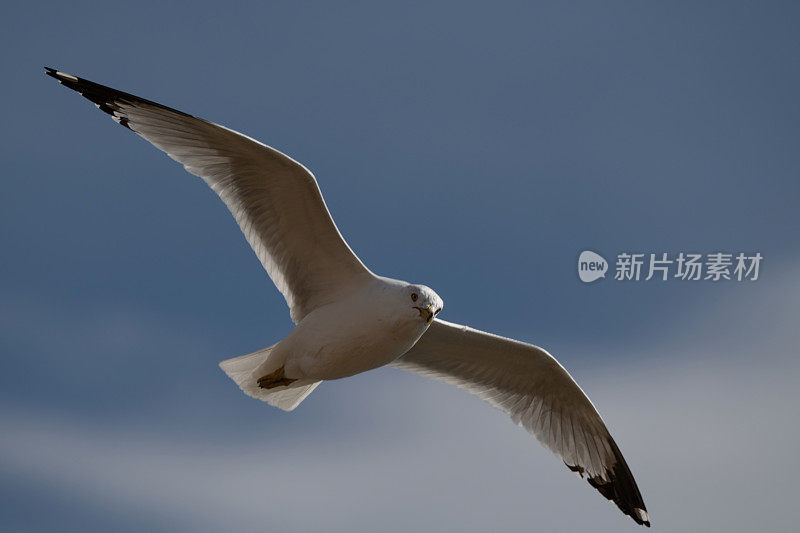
424,301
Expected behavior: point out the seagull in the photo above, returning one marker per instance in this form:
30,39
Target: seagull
349,320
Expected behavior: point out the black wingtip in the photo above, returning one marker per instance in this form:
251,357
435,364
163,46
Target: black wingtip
57,74
53,73
620,487
105,98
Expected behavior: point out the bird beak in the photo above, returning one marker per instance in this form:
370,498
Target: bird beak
426,312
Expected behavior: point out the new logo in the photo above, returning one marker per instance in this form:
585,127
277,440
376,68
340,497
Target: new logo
591,266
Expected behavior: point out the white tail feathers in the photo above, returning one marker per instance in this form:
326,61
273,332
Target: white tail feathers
242,370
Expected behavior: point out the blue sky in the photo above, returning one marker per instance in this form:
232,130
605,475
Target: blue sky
475,149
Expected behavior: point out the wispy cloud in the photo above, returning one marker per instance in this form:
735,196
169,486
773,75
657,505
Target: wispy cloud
704,425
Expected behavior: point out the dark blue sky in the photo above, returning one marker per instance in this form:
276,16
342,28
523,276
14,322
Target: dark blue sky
474,148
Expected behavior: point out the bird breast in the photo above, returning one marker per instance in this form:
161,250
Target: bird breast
349,337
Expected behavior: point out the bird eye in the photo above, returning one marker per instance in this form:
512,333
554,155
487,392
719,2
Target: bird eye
414,296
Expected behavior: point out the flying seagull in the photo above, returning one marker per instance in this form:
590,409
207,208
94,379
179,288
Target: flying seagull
349,320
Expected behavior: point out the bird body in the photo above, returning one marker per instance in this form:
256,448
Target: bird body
368,328
349,320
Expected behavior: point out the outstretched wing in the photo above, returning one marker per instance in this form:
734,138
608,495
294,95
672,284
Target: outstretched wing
274,199
534,389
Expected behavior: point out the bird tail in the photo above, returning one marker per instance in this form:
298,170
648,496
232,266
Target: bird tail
243,370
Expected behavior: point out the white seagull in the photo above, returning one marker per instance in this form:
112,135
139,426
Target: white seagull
349,320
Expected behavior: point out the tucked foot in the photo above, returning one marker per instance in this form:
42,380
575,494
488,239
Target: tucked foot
275,379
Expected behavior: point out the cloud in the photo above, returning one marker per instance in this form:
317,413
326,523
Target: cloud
704,421
710,447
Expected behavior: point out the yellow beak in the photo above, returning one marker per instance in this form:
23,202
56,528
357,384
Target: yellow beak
426,313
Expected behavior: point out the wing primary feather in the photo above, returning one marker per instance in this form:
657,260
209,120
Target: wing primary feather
103,96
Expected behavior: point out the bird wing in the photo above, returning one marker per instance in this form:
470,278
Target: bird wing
534,389
274,199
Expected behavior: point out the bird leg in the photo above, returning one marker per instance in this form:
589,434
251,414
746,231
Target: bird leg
275,379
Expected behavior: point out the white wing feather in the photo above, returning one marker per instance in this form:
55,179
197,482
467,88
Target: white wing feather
274,199
538,393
